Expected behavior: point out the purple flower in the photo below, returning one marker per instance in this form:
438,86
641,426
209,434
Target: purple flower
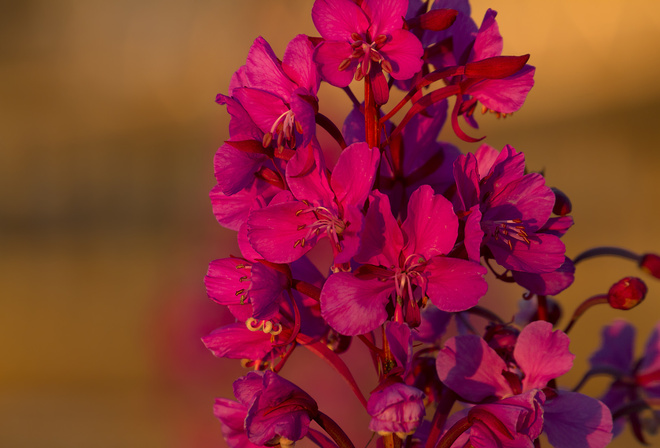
635,379
318,207
358,38
404,264
506,210
232,418
397,408
278,410
476,373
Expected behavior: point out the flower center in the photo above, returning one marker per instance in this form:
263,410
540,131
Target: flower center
365,53
326,222
506,230
283,128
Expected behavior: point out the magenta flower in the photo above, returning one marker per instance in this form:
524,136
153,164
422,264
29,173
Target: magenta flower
278,410
232,418
396,408
317,206
358,38
404,264
476,373
506,210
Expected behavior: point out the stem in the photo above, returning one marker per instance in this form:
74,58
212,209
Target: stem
306,288
331,128
370,114
616,373
542,307
606,250
440,417
595,300
454,433
333,430
352,96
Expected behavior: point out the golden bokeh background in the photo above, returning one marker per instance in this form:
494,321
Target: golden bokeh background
108,128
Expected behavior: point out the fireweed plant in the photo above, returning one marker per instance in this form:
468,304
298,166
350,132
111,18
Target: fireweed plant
414,225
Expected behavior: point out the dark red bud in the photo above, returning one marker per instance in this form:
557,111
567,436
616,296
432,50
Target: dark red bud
435,20
627,293
562,205
651,264
497,67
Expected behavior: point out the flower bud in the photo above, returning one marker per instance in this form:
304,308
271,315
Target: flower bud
651,264
627,293
434,20
562,205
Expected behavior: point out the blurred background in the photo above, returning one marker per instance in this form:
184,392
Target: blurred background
108,128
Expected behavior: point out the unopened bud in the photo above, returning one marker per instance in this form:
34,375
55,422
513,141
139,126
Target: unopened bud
651,264
497,67
434,20
562,205
627,293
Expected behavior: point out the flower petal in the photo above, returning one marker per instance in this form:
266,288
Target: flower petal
542,354
573,420
339,19
454,284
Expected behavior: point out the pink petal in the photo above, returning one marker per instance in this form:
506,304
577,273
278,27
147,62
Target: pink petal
235,341
235,169
307,179
232,211
474,235
350,238
299,65
386,15
263,70
225,278
488,42
266,289
338,19
354,306
431,226
542,354
264,107
328,55
472,369
454,284
404,52
550,283
505,95
354,174
275,231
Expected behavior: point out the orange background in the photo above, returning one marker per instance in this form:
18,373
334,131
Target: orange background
108,129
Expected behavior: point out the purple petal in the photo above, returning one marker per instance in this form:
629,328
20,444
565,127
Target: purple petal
349,240
339,19
234,170
467,181
431,226
474,236
382,240
573,420
299,65
404,52
305,115
398,408
266,288
263,70
241,123
542,354
472,369
650,364
305,174
232,417
454,284
248,387
352,305
329,55
544,253
433,326
551,283
399,338
617,347
354,173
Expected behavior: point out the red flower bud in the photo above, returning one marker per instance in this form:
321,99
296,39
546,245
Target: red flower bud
437,19
562,205
627,293
651,264
497,67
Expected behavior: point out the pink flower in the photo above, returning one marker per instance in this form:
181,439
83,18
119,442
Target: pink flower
359,38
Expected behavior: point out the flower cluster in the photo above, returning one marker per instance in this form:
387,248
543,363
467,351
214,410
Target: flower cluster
414,227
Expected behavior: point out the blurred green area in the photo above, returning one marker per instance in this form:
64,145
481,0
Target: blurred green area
108,129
